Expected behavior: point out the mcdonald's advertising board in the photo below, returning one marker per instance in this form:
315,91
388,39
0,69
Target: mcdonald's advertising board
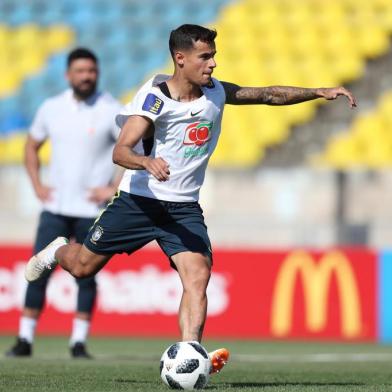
296,294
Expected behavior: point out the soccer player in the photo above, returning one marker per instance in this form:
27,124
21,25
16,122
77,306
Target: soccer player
158,195
80,125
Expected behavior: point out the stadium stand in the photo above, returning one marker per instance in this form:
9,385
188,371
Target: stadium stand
368,143
317,43
35,37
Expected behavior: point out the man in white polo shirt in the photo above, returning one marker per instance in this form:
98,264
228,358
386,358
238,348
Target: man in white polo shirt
80,124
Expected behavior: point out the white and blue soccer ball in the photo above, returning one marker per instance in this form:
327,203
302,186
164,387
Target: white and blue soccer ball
185,365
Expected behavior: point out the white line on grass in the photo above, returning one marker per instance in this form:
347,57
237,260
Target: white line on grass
324,357
251,358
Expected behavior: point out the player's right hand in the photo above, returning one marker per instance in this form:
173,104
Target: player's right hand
43,192
158,167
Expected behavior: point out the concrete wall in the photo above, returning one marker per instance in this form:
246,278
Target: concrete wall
270,208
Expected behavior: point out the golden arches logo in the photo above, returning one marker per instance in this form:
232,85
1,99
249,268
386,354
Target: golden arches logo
315,278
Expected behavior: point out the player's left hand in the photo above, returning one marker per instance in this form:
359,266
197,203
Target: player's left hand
102,194
334,92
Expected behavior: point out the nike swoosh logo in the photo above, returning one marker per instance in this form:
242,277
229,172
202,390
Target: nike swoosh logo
195,114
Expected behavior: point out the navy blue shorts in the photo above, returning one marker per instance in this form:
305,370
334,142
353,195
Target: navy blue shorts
129,222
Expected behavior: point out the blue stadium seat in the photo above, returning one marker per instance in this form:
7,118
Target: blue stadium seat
19,16
80,18
47,15
8,105
12,122
57,64
138,11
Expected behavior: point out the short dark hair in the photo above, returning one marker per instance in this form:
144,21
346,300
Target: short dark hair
81,53
183,37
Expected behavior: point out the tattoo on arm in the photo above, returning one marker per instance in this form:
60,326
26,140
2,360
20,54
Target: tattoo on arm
273,95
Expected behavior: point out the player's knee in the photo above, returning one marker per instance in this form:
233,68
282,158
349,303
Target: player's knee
82,269
80,272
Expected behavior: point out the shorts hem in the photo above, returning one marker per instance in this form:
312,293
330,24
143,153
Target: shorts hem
208,253
98,252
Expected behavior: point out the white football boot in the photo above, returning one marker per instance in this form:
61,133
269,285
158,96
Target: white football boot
43,260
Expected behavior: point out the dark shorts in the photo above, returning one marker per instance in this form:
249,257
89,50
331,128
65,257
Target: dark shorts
129,222
54,225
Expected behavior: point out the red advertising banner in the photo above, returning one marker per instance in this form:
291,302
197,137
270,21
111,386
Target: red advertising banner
298,294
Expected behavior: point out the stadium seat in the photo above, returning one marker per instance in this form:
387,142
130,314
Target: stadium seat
368,143
58,38
9,82
12,122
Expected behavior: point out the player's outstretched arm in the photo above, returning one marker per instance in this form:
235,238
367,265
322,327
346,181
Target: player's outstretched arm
281,95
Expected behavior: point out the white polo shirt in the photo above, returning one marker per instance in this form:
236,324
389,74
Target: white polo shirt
82,136
186,134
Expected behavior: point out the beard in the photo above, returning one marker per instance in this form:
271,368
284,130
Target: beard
84,90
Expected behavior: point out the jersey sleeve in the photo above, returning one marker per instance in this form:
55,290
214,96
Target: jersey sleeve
145,103
38,129
220,90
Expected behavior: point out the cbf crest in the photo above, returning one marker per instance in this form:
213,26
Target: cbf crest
97,234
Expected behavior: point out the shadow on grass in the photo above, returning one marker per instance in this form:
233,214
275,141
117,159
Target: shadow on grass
282,384
130,381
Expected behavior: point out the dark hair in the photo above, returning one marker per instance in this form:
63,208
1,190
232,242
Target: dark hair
81,53
185,36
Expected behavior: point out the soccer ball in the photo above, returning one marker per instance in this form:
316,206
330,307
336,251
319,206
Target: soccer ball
185,365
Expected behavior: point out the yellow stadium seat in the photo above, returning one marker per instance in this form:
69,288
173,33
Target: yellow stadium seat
270,124
31,63
368,143
4,36
13,149
45,153
297,13
2,151
372,40
306,42
347,67
384,17
7,57
343,152
9,82
317,71
368,126
338,40
385,108
300,114
26,37
378,155
328,14
263,15
58,37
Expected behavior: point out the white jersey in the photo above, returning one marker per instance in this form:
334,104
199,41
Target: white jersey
82,136
186,134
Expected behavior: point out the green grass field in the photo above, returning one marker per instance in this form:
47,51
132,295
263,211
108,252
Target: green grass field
133,365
